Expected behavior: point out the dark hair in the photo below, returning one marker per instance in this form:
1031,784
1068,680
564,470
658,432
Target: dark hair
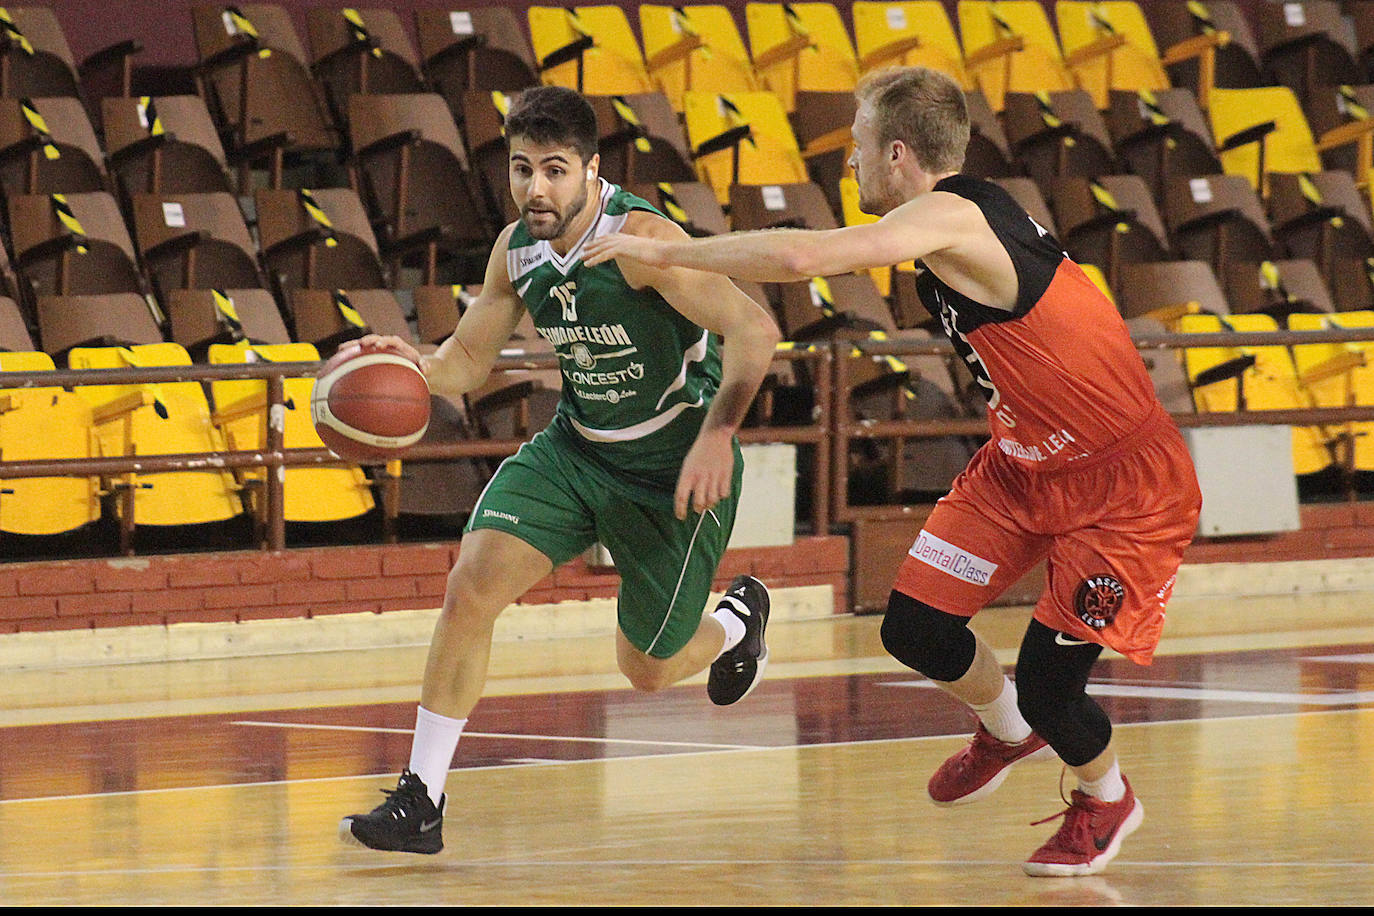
554,116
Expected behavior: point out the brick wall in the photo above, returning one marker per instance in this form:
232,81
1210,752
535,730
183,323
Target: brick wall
308,582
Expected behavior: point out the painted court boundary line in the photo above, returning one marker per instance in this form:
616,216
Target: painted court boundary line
518,737
727,749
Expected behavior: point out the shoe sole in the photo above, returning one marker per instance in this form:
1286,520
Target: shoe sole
987,788
348,838
1060,870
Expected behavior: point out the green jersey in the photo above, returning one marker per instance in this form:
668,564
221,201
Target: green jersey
638,376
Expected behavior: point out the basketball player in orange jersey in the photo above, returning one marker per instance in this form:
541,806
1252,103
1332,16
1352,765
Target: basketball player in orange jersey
1084,467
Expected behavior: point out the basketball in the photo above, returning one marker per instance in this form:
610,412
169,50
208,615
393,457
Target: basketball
369,406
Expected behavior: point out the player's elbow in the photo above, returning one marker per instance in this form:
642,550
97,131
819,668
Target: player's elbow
804,261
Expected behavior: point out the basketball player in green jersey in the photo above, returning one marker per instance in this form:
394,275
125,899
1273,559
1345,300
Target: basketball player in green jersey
641,455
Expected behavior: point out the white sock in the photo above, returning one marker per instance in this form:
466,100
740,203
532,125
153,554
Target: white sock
1109,787
734,628
431,753
1001,717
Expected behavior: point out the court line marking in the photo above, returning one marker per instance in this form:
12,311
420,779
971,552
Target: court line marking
1336,698
373,777
826,863
517,737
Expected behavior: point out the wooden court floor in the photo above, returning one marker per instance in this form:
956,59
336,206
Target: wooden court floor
1250,742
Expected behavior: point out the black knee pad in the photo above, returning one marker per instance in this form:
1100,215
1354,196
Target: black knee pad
933,642
1051,682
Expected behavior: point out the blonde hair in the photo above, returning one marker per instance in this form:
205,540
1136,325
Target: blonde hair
923,108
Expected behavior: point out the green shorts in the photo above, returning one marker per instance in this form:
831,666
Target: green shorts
561,500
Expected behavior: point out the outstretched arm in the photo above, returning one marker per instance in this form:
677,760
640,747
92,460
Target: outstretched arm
920,227
750,338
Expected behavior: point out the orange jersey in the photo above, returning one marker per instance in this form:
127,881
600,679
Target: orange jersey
1062,378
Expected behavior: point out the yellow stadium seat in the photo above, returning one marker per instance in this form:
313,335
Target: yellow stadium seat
741,138
168,418
1252,378
309,493
1108,45
44,423
800,47
914,33
1264,130
1010,46
1340,375
589,48
695,47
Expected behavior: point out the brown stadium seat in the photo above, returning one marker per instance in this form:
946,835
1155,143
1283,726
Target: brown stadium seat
1324,217
1235,62
165,144
481,114
361,50
1164,291
1276,288
1218,219
1161,133
690,204
328,318
317,239
410,168
253,71
989,153
1058,133
72,244
823,122
49,145
1109,221
641,139
1307,46
15,334
195,241
477,48
38,60
197,318
96,320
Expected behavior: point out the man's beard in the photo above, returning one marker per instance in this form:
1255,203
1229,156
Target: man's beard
549,231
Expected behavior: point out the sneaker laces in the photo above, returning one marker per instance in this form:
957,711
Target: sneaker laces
1077,819
408,794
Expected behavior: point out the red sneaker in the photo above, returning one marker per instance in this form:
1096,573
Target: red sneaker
979,769
1090,836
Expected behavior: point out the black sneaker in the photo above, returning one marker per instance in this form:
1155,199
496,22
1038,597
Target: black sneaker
736,672
406,822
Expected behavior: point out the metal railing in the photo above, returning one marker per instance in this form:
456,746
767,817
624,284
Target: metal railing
831,429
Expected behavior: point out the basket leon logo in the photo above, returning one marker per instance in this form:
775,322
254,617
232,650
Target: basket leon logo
1098,599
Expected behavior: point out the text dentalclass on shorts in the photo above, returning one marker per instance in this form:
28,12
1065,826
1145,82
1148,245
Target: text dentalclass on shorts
951,559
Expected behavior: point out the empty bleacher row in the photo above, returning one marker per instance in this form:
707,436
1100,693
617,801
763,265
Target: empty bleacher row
1209,164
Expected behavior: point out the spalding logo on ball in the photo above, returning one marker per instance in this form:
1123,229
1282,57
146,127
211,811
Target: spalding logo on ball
369,406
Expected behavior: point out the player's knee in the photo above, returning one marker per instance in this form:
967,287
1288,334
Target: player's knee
1051,694
645,673
467,596
933,642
